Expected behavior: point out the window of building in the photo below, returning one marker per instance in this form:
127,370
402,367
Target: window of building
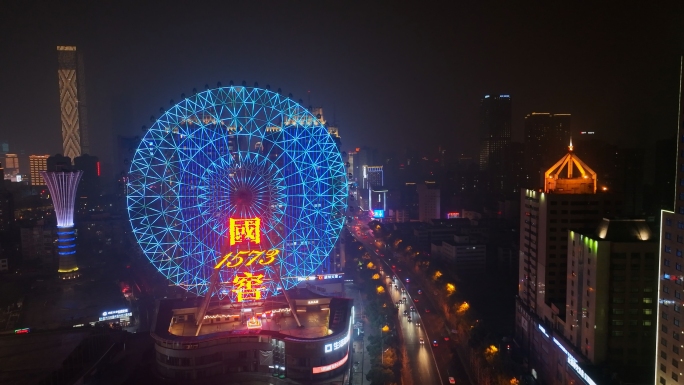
668,249
680,224
647,323
668,221
666,262
664,315
675,363
663,328
675,376
678,266
663,341
618,333
666,289
675,349
677,308
679,253
648,300
648,311
675,335
668,235
680,238
676,321
663,367
663,354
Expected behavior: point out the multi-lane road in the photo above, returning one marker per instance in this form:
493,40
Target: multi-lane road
428,364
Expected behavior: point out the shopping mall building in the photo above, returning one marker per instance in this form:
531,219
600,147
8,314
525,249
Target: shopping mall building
308,342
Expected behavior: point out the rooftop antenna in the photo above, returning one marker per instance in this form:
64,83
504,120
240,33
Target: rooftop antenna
570,146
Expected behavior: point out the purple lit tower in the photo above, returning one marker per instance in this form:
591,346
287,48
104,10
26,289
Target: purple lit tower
63,185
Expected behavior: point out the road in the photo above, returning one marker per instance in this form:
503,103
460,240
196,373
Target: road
422,364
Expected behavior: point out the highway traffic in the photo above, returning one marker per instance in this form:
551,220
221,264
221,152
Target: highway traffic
429,361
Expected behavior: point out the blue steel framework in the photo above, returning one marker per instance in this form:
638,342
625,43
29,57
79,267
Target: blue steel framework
236,152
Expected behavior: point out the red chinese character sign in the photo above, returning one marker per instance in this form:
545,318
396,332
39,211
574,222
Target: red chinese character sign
242,230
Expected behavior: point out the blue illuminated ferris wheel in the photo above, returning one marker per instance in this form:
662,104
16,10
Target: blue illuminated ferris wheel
235,154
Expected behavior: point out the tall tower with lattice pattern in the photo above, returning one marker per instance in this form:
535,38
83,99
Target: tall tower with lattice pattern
72,101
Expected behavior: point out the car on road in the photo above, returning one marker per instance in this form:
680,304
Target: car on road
427,309
408,280
420,291
417,323
408,318
435,343
405,312
412,308
446,338
422,342
452,380
415,300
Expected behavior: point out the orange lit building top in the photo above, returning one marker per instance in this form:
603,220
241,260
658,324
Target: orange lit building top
584,183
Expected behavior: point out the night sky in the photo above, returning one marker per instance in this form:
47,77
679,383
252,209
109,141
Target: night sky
390,75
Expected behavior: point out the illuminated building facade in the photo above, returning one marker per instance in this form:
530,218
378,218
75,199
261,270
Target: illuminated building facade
669,342
611,304
568,202
37,164
63,187
11,163
72,101
429,202
495,130
546,135
258,340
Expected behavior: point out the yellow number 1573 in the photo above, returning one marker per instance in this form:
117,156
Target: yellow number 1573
238,259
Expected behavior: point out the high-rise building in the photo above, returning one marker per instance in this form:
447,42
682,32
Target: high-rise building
11,162
373,176
610,303
72,99
495,130
63,186
546,135
568,201
89,187
59,162
669,342
428,202
37,163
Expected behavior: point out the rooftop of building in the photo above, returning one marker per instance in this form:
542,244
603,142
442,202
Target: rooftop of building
560,182
274,318
622,230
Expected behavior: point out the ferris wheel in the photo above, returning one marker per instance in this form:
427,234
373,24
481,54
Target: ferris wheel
238,181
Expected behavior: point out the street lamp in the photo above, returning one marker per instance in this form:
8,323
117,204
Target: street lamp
382,344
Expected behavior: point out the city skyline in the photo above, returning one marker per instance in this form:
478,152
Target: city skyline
333,192
611,98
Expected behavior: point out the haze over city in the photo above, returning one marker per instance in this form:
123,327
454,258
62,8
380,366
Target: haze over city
341,193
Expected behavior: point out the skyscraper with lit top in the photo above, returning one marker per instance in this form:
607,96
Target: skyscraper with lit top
72,100
63,186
